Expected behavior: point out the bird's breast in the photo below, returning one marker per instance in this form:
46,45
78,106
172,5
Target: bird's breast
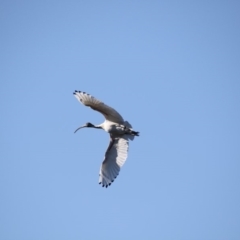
113,128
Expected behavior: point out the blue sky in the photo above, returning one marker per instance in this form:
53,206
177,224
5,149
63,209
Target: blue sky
171,69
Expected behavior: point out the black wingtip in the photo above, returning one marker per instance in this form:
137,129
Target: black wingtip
76,91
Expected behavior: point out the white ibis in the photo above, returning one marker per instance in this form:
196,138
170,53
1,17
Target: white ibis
120,132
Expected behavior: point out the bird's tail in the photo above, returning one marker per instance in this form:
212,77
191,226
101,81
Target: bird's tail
134,133
131,134
130,131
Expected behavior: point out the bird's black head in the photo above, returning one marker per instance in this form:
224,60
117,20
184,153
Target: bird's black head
88,124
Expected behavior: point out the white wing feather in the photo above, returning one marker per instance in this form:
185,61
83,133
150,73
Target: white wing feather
109,113
115,157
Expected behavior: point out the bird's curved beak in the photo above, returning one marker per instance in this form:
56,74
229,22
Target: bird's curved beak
79,128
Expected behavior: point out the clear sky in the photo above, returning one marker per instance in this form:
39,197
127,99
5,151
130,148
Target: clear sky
171,68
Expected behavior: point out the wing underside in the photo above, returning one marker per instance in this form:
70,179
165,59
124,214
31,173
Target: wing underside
114,159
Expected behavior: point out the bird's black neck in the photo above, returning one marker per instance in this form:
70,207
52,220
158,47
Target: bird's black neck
98,127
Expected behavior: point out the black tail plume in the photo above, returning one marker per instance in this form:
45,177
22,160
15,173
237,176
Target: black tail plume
134,133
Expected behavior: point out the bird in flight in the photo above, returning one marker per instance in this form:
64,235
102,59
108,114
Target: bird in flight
120,132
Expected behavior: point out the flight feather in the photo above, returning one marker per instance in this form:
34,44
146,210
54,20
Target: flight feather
114,159
109,113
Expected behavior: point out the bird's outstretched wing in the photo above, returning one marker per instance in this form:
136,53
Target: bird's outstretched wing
115,157
109,113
